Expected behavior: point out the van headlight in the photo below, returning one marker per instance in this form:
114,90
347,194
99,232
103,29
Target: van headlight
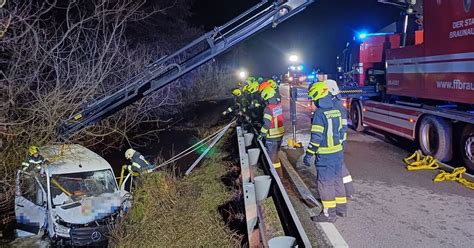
61,230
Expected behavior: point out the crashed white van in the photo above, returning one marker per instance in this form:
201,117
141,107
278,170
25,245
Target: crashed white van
74,201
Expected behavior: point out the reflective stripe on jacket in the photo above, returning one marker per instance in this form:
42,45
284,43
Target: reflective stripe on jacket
139,162
273,121
338,105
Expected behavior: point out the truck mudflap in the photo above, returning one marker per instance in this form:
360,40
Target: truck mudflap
82,236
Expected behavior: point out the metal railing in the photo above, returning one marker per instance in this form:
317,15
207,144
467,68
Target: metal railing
289,220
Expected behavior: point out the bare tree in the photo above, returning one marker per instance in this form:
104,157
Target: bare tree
213,81
56,56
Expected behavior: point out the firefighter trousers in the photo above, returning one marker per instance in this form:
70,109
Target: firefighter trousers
330,184
347,180
273,147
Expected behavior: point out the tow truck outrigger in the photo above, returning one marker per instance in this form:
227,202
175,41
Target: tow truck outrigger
61,201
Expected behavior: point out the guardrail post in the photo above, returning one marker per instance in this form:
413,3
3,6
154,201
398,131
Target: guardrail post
262,187
251,214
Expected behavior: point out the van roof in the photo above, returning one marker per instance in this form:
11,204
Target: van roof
64,159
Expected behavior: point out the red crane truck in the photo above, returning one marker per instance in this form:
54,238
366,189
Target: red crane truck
418,85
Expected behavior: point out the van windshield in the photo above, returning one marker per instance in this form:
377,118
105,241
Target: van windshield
68,188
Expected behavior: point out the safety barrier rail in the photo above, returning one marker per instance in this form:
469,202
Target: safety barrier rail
258,188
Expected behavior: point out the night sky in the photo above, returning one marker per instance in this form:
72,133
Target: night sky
318,34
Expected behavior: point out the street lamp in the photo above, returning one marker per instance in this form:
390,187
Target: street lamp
242,74
294,58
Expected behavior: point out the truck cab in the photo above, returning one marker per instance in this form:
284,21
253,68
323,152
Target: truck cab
72,200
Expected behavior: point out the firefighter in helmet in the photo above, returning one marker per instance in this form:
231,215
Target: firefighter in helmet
337,100
272,129
255,104
139,164
326,144
237,93
270,83
34,161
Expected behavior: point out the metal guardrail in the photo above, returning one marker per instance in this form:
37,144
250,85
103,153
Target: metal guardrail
287,214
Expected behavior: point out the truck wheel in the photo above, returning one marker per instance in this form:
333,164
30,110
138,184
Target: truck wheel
467,146
356,117
435,137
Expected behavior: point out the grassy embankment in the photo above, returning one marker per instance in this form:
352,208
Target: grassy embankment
168,212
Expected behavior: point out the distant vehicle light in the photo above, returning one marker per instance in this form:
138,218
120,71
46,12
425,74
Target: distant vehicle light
302,78
290,78
300,68
292,68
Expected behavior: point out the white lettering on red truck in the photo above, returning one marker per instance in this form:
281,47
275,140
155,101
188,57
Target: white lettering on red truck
462,28
455,85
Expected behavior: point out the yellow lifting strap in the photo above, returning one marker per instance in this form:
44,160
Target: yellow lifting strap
456,175
416,162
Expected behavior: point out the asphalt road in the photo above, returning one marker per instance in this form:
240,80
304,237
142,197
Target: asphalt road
393,207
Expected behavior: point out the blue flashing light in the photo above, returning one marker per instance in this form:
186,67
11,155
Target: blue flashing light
311,76
300,68
362,36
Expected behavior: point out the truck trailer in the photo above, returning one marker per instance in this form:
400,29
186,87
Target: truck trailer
420,84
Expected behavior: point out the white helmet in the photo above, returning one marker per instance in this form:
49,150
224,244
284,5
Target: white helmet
129,153
332,86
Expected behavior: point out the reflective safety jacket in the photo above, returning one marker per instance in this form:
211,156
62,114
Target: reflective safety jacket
328,128
33,162
273,120
139,163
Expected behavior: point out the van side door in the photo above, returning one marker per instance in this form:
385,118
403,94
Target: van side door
30,204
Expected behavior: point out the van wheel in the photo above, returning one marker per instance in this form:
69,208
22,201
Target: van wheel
356,117
467,146
435,137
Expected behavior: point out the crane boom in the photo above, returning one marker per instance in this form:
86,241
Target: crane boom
169,68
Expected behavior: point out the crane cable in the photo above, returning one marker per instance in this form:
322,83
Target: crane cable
182,154
194,147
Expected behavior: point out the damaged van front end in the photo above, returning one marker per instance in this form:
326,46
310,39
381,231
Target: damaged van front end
75,200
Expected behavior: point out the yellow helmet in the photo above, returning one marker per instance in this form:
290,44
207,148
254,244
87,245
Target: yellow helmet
32,150
318,91
253,87
237,92
250,80
268,93
273,83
